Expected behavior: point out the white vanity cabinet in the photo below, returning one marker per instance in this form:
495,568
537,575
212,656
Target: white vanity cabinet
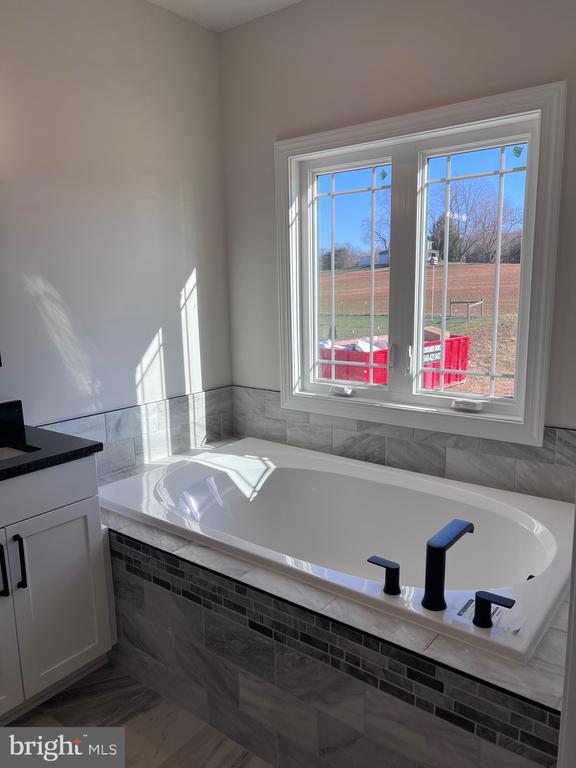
54,616
11,691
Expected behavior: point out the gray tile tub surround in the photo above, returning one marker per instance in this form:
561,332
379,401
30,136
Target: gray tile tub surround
299,688
548,471
143,434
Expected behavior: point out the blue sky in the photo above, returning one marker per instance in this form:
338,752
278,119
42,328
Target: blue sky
353,211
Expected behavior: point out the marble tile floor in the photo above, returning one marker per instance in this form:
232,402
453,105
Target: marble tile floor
159,734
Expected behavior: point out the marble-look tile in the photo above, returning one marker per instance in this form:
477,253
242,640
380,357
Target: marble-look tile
279,712
156,537
481,469
108,695
551,482
416,457
535,680
560,620
116,456
290,589
243,729
219,400
152,446
386,430
88,427
179,410
240,645
336,739
215,560
144,635
339,422
395,724
273,410
127,588
492,756
265,428
404,633
326,689
311,436
546,453
210,749
566,447
152,737
447,440
127,422
291,755
189,694
113,520
359,445
552,648
248,402
418,735
180,616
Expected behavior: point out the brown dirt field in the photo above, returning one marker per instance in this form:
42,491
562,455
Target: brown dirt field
465,281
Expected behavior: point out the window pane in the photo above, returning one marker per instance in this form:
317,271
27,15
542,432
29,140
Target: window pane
383,175
352,264
352,323
324,263
470,313
324,183
436,167
516,156
478,161
357,179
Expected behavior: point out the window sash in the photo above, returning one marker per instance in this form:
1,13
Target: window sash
407,156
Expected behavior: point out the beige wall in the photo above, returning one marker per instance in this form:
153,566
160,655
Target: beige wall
329,63
110,198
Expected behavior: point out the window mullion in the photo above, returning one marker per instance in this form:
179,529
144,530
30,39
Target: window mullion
402,265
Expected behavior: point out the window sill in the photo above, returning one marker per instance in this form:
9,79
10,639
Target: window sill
489,426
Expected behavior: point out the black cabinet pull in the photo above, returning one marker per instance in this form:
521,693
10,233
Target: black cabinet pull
23,583
5,591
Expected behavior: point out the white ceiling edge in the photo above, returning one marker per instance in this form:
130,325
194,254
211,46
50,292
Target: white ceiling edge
220,15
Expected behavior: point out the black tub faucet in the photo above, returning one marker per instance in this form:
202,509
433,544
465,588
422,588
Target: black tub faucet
392,581
436,548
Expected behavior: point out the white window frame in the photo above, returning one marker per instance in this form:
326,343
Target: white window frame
297,160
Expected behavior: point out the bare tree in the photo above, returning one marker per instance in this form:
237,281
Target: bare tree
474,222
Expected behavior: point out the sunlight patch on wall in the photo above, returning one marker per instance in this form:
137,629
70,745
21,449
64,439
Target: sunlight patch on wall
191,334
57,323
150,381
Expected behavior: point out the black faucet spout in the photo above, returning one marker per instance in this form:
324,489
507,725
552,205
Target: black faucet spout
436,549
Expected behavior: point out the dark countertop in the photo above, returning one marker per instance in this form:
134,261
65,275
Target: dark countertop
43,449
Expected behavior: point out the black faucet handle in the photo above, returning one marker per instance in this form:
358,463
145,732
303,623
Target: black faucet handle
483,607
392,580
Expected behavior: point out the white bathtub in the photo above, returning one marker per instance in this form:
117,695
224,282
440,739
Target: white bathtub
320,517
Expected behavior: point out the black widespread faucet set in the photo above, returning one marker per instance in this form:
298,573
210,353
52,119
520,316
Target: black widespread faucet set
433,599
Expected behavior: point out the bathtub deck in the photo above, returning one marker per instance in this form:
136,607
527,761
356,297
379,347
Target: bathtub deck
541,679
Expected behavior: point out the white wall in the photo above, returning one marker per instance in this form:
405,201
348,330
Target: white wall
110,198
328,63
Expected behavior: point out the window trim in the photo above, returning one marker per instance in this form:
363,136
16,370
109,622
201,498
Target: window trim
290,154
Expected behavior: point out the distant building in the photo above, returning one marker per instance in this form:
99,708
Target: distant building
381,259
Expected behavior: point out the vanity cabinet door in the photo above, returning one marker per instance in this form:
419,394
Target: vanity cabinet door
59,591
11,692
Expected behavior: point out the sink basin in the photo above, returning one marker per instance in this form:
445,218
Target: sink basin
8,453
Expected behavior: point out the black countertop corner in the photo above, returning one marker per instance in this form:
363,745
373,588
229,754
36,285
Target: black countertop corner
42,449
